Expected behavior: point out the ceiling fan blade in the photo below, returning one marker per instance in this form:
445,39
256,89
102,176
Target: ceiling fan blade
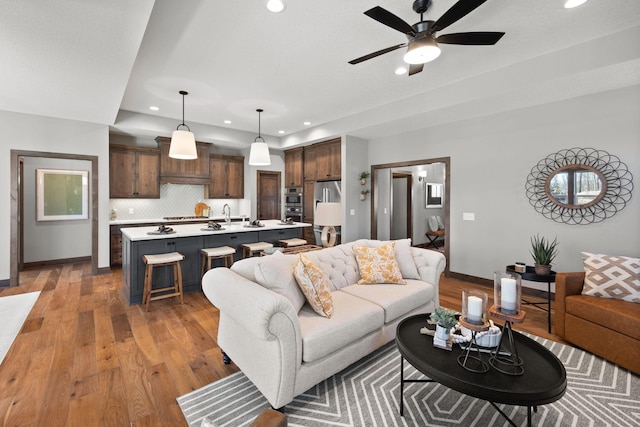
456,12
390,20
415,69
471,38
377,53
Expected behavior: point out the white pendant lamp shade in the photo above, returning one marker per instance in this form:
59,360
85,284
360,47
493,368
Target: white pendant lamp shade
573,3
183,142
259,153
421,51
183,145
275,6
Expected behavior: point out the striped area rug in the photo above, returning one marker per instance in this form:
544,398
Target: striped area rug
366,394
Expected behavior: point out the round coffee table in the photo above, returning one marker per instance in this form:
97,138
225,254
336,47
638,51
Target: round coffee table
544,379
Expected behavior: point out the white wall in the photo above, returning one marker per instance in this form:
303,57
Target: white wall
355,161
491,158
48,240
35,133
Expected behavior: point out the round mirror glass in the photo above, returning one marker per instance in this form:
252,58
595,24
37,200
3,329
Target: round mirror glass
576,186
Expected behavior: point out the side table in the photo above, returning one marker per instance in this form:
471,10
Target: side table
530,275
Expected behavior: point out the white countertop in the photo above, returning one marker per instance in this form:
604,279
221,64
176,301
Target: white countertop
188,230
173,221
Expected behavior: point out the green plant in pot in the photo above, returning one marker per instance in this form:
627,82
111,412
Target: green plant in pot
543,252
445,319
363,177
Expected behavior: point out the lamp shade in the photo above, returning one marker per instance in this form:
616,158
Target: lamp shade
183,145
328,214
421,51
259,154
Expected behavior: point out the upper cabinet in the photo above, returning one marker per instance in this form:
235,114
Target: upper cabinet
293,167
328,160
226,177
134,172
309,168
178,171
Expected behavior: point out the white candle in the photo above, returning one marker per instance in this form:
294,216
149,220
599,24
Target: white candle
508,295
474,309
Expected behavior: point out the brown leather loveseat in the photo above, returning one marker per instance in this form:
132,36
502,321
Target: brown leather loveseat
606,327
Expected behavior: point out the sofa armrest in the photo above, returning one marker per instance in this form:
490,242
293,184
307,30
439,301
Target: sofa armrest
259,330
566,284
430,265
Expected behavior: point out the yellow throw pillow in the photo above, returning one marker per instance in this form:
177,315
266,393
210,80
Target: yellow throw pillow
315,286
378,265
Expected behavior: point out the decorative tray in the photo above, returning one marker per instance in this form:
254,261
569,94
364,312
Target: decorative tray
253,226
159,233
212,229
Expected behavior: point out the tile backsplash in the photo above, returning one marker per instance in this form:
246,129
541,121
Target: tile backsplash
175,200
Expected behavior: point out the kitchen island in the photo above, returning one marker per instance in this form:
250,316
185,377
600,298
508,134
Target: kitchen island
188,239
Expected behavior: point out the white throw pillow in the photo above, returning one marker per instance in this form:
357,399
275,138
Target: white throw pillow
404,258
609,276
440,222
433,223
275,272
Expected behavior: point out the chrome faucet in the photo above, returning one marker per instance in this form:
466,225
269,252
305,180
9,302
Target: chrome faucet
226,211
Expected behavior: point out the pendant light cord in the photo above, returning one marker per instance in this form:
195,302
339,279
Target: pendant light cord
259,137
183,93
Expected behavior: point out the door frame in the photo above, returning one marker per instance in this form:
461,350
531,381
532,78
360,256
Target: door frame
16,208
259,175
447,198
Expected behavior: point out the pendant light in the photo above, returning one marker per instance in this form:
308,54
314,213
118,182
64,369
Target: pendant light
183,142
259,154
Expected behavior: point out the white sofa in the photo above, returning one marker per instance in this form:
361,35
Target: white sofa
285,351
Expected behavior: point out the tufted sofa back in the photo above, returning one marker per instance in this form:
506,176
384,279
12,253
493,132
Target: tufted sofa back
339,263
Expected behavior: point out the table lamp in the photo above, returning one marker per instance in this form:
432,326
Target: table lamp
328,215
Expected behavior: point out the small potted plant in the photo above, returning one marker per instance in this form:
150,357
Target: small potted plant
445,320
543,252
363,177
363,194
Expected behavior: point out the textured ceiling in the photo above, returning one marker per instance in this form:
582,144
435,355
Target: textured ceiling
107,62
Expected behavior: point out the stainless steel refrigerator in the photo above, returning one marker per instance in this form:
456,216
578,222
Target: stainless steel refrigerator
325,192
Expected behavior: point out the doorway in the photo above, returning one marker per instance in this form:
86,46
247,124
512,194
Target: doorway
268,195
401,206
17,211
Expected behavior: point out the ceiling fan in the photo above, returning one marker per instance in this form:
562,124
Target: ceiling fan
422,40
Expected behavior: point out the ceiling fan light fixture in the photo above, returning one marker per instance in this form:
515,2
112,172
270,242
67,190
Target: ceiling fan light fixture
569,4
259,152
183,142
421,51
276,6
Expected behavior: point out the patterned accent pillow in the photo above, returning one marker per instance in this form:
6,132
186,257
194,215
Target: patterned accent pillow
315,286
378,265
615,277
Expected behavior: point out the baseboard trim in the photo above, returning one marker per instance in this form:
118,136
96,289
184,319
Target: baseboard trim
47,263
104,270
4,283
530,292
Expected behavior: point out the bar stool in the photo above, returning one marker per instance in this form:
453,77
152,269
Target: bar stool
249,249
222,252
158,260
288,243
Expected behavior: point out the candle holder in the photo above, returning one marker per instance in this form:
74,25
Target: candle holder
508,362
507,291
474,318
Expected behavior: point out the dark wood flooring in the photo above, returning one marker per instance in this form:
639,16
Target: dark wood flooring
86,358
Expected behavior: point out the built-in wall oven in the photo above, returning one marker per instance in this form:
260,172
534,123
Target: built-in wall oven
293,203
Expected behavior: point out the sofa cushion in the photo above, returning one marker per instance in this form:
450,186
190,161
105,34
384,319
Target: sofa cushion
395,300
353,318
275,272
621,316
314,285
378,265
337,262
404,257
612,277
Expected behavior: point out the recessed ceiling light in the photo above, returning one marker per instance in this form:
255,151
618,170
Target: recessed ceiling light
154,108
275,6
227,122
280,131
307,123
400,70
573,3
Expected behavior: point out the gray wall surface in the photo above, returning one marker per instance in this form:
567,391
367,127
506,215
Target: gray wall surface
491,158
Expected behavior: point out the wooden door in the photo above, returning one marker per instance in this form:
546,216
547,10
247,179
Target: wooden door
269,195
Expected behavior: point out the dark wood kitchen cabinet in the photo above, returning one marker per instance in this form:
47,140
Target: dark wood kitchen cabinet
309,162
178,171
328,159
134,172
293,176
226,177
